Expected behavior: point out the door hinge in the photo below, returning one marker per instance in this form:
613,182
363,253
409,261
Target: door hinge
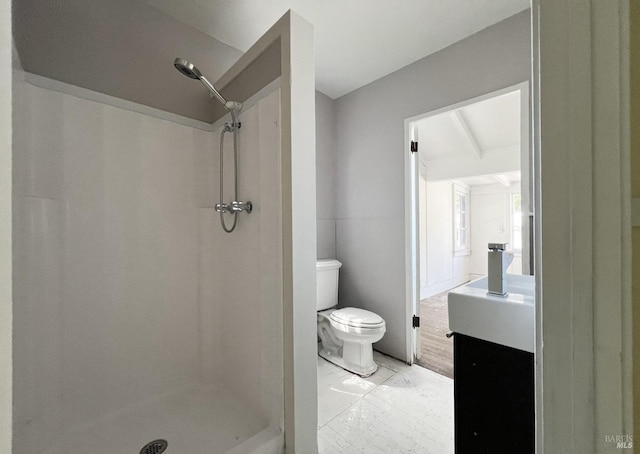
414,146
416,321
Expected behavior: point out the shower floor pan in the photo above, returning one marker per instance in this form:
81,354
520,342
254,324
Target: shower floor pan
197,421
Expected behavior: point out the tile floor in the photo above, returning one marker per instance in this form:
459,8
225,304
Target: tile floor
399,409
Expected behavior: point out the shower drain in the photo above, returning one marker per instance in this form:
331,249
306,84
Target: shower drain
155,447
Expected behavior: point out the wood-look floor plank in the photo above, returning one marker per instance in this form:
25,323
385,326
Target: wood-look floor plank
436,350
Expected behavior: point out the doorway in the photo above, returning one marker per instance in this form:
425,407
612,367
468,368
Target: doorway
468,183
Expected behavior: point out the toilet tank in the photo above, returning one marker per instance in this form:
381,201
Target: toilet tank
327,283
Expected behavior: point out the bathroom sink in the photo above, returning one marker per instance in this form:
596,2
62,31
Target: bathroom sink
506,320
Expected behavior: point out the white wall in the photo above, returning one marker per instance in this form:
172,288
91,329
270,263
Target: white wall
126,51
325,177
245,279
126,286
491,223
370,166
106,307
299,227
442,269
5,227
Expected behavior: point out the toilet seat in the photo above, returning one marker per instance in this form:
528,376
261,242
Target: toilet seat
359,322
356,318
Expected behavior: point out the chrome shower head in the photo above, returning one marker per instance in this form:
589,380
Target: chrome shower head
190,70
186,68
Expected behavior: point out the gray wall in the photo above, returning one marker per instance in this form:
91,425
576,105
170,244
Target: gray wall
369,164
5,227
126,50
325,175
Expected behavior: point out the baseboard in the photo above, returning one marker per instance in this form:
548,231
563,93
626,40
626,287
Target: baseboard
440,287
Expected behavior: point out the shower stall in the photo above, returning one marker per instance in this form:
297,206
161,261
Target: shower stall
135,309
140,324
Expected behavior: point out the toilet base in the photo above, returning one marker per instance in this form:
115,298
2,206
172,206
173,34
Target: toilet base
361,370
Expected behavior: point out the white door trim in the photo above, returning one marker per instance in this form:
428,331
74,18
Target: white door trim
581,138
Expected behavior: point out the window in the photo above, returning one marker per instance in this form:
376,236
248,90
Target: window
460,221
516,222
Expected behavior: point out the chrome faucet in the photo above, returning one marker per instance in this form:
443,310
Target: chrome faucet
499,261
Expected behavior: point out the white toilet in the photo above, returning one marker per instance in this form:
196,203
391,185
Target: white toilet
346,334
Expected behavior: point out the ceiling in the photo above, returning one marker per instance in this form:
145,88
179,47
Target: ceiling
471,133
357,41
472,130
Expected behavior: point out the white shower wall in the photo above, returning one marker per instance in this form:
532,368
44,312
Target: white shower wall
126,288
246,265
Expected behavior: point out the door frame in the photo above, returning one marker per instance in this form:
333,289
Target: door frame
412,209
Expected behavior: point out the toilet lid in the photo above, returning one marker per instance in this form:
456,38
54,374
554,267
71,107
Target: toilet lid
356,317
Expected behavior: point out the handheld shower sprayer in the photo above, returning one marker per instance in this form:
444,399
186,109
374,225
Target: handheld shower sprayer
190,70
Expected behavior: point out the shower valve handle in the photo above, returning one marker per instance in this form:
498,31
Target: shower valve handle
222,208
241,206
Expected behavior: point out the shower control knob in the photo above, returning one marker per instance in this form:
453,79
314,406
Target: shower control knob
222,208
241,206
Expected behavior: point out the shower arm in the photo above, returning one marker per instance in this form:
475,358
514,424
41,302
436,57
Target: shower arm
229,105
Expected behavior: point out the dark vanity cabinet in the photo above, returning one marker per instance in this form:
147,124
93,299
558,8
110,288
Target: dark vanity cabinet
494,398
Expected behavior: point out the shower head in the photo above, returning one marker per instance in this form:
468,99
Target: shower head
186,68
190,70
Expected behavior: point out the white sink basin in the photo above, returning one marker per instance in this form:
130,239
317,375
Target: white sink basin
506,321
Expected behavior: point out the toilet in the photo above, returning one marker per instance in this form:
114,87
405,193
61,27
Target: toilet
346,334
